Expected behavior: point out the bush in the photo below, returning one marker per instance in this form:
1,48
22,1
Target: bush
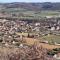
17,44
54,51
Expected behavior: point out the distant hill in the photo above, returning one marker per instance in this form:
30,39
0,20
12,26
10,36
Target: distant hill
32,6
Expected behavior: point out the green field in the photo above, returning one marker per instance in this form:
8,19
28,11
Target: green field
51,38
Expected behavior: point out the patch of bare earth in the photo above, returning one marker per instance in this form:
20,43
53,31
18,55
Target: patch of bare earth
31,41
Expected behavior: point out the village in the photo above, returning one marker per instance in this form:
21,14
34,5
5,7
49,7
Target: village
19,34
15,31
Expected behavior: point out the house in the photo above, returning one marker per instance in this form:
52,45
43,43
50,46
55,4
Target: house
21,45
57,28
14,42
37,24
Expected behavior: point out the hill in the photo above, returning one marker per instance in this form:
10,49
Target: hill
30,10
32,6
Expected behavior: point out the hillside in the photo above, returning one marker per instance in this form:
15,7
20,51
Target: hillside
33,6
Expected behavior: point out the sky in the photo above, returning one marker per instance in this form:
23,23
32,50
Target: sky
5,1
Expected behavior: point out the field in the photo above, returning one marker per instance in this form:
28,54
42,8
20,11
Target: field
51,38
24,13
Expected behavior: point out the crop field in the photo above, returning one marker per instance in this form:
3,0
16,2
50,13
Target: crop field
30,13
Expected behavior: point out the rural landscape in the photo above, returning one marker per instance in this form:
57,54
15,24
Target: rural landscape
30,31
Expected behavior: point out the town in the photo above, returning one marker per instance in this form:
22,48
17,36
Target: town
12,31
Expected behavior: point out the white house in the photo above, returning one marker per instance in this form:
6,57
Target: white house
57,28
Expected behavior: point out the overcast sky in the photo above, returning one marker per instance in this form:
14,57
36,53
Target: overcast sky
29,1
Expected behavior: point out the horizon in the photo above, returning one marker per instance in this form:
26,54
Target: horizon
29,1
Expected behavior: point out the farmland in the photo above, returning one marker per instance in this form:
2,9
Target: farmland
30,14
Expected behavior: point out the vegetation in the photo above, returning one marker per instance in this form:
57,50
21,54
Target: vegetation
27,33
31,10
51,38
54,51
25,53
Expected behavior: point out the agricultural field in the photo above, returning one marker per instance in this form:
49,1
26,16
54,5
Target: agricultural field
24,13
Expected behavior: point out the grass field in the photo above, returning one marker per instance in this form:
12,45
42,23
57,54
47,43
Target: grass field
51,38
